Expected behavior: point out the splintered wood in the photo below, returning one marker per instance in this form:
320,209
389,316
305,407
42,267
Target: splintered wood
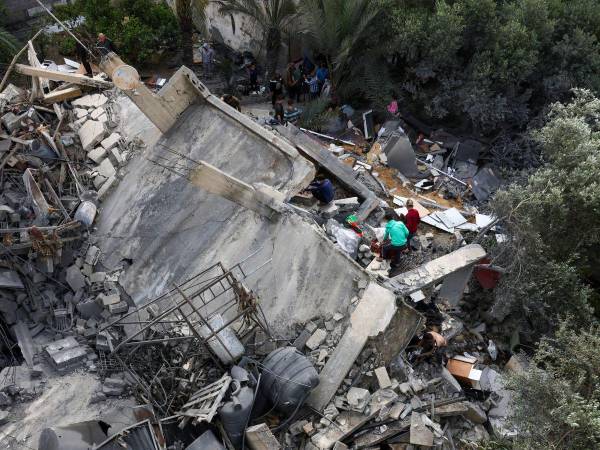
202,405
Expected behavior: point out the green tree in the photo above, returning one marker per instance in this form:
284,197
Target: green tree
340,30
141,29
273,18
556,402
553,222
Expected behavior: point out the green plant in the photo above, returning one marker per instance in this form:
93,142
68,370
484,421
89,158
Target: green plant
343,30
553,223
139,28
316,115
556,402
8,45
273,18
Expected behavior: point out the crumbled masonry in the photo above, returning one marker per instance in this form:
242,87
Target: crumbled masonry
162,269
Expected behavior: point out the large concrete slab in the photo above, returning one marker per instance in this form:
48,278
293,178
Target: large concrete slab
436,270
171,229
372,315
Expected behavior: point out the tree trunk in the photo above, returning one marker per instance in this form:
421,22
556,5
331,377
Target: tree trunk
186,26
273,50
187,34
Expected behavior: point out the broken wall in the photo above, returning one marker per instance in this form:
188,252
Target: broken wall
171,229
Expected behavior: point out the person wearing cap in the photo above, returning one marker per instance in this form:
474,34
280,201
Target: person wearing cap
412,219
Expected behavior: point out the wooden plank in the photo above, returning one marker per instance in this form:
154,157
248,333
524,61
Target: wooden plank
64,94
54,75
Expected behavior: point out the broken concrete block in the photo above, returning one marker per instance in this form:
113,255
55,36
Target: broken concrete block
419,433
89,308
383,378
316,339
91,133
108,300
3,417
103,118
111,141
340,446
97,155
474,413
97,397
65,354
97,277
297,427
106,169
75,278
329,210
308,429
301,340
97,113
358,398
90,101
106,186
118,308
80,112
116,154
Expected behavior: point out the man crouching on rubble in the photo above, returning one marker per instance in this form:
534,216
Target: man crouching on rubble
394,239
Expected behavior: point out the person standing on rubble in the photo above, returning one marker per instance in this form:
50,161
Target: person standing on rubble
208,59
412,219
82,54
276,87
279,110
394,239
105,45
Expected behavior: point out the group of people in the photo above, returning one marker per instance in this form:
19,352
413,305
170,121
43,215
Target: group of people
399,230
303,81
398,233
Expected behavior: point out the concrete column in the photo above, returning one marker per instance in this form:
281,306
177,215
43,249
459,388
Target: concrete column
264,201
434,271
373,314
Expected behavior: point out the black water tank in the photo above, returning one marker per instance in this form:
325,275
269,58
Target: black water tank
287,379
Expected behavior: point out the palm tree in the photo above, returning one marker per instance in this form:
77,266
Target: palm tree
191,14
273,18
8,45
339,29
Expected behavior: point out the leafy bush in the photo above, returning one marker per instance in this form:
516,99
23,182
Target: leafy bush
554,222
557,400
139,28
486,63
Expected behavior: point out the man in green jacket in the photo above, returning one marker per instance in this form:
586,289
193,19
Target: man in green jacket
394,240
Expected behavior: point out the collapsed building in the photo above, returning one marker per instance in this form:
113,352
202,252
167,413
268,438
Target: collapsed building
165,288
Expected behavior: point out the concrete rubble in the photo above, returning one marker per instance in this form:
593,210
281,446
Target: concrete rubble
372,355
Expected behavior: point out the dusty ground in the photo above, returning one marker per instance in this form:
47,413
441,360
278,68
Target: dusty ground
64,401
